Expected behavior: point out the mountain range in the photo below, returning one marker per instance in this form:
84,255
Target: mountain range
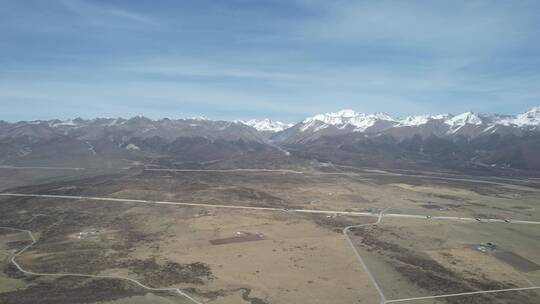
467,124
459,142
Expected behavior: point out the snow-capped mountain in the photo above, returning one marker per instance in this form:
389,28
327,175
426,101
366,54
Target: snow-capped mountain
359,122
120,131
103,140
335,123
470,118
267,125
419,120
346,136
530,118
468,124
466,140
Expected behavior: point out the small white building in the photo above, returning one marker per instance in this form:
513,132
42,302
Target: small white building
87,234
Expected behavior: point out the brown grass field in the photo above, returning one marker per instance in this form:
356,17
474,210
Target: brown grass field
265,257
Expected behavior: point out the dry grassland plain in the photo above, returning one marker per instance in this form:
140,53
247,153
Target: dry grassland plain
298,261
331,192
412,258
301,258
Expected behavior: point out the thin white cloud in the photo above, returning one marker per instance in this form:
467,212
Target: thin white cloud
470,27
399,57
192,68
101,15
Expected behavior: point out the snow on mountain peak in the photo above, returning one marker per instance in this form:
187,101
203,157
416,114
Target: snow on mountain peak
333,118
419,120
267,125
415,120
460,120
529,118
534,110
533,113
360,122
344,118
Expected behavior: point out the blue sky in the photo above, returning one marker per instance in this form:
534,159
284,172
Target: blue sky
238,59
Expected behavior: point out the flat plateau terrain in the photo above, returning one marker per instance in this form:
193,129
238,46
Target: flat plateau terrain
180,232
415,258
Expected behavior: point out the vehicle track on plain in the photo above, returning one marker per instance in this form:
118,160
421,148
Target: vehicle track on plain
346,231
312,211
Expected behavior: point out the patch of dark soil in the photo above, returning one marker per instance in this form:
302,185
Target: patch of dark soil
491,190
80,259
477,204
212,294
426,264
245,237
448,197
450,205
430,280
515,260
429,275
16,245
522,207
11,271
157,275
432,206
251,300
369,240
71,291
